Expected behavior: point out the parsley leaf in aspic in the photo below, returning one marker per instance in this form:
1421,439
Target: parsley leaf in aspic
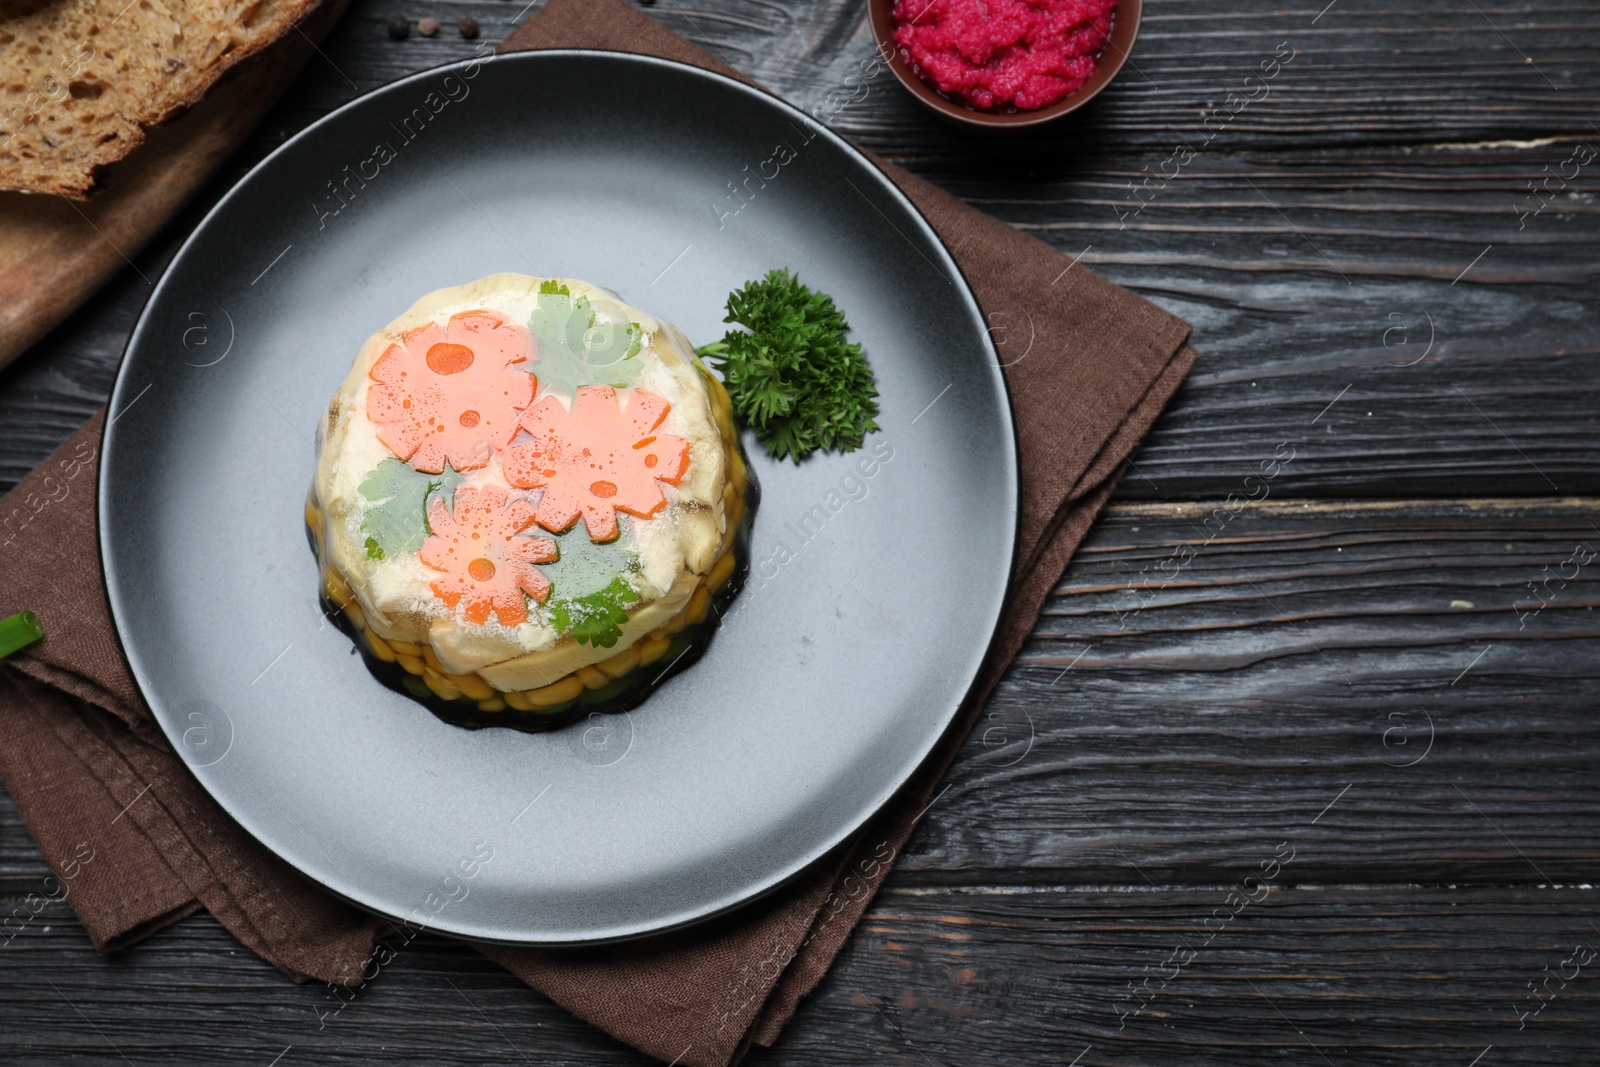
589,588
595,619
577,344
792,376
397,523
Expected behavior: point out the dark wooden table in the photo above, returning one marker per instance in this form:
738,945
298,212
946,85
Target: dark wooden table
1300,769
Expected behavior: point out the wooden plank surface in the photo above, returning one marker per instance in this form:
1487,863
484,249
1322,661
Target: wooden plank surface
1383,659
934,975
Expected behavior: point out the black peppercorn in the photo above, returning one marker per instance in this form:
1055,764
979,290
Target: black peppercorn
428,27
399,28
469,28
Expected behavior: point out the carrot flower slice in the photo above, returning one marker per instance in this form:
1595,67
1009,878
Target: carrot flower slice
598,460
487,563
451,394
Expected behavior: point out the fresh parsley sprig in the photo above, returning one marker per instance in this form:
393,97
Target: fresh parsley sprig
397,523
596,619
791,374
590,588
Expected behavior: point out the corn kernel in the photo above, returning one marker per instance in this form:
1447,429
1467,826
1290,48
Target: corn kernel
699,604
492,704
592,678
721,572
550,695
338,588
441,688
379,646
653,649
412,664
471,685
621,663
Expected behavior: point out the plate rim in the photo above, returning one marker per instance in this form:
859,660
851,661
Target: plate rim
121,611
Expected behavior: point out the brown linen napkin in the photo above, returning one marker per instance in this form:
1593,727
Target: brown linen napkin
1103,364
134,840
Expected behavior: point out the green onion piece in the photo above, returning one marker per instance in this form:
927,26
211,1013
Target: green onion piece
18,632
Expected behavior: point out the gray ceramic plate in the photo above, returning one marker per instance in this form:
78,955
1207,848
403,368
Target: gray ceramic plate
877,582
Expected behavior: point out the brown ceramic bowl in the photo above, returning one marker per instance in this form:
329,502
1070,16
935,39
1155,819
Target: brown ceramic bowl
1124,28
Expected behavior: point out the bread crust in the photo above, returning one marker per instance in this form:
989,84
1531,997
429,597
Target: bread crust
82,81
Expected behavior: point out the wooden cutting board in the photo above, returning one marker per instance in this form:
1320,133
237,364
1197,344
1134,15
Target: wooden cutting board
55,253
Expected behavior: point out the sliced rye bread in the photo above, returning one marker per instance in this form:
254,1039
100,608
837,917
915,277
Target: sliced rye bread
82,80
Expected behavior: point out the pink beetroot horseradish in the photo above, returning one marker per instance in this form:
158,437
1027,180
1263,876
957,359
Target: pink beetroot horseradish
1004,55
